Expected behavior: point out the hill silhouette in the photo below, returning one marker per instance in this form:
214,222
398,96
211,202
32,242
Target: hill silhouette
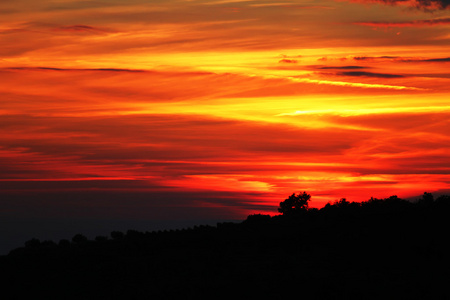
378,249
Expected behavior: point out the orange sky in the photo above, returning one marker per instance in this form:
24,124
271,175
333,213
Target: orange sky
219,108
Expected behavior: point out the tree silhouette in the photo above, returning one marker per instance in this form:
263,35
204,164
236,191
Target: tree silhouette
79,239
294,204
342,203
117,235
33,243
426,200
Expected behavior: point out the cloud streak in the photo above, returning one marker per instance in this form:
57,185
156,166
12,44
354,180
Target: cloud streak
358,84
370,74
81,29
416,23
420,4
340,67
401,59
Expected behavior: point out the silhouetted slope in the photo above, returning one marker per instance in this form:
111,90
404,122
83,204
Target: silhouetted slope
380,249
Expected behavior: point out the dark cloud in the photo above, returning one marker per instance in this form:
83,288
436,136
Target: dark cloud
445,59
441,4
420,4
428,75
401,59
417,23
374,57
341,68
370,74
420,60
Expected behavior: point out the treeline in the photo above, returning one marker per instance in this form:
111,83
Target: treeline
427,204
378,249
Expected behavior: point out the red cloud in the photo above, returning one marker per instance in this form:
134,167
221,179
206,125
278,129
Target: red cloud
288,61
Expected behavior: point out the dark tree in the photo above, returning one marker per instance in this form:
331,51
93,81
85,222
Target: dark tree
426,200
33,243
257,219
117,235
342,203
79,239
48,243
294,204
64,243
101,238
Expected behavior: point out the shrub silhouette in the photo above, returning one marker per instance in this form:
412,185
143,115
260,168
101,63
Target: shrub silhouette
295,204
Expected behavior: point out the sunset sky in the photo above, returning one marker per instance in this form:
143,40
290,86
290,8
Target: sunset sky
195,109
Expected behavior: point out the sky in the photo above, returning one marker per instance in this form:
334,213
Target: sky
192,110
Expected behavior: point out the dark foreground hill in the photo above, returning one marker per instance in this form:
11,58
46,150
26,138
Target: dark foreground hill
381,249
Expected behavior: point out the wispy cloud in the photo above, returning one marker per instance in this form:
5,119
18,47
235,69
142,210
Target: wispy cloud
356,84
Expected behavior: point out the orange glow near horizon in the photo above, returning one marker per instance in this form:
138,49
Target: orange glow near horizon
256,99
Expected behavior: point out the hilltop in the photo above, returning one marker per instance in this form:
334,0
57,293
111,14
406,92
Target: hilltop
378,249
